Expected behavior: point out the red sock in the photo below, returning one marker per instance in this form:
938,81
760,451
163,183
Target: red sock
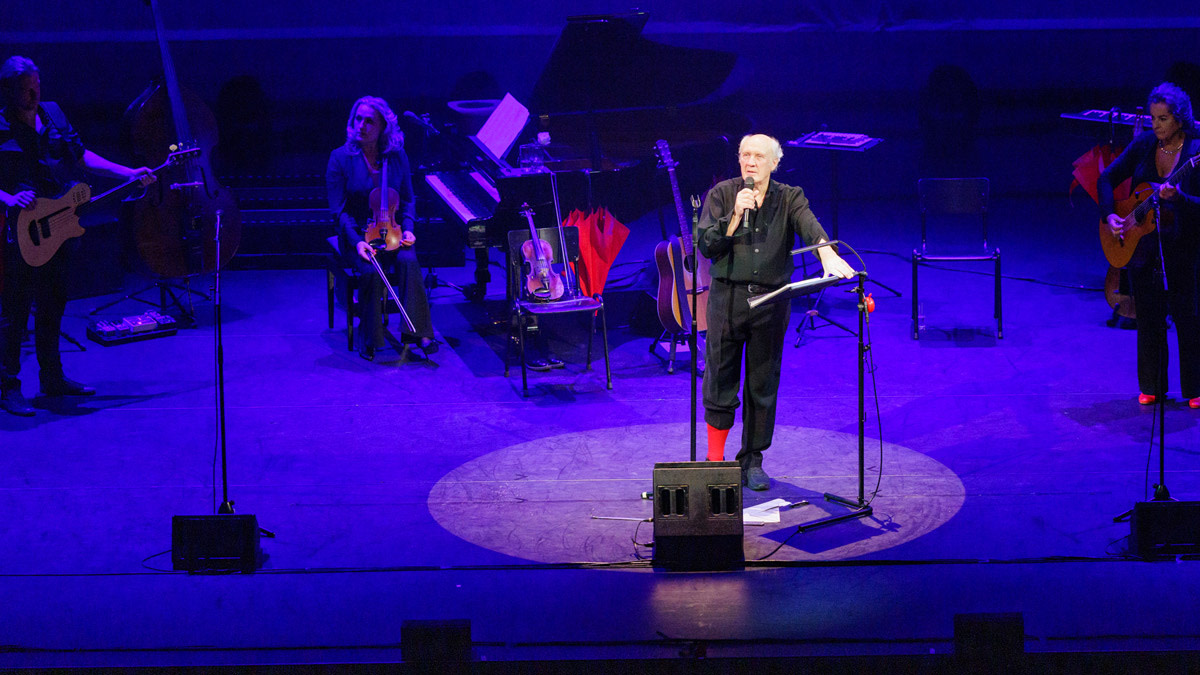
716,443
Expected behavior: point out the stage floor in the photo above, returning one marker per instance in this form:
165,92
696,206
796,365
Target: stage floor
431,489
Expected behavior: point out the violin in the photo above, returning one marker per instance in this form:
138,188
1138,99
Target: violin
384,200
542,282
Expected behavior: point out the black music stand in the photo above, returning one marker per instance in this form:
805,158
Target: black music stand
860,507
839,143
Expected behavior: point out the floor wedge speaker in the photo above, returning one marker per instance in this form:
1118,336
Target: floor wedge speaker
698,516
1165,528
225,542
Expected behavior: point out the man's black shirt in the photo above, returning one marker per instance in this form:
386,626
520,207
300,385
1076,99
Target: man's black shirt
760,253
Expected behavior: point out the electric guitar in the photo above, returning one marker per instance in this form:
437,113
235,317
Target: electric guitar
679,268
1137,217
42,230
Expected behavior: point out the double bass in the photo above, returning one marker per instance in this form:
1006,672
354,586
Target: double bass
177,222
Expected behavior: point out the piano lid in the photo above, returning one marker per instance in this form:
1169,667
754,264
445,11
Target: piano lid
602,63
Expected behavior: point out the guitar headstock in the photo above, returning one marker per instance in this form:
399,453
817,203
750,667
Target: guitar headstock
183,155
664,154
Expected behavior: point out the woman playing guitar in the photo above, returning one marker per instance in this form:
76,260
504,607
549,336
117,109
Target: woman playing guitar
373,139
39,150
1161,222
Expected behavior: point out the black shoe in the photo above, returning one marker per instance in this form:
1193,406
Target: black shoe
66,387
536,363
15,403
428,346
554,362
756,479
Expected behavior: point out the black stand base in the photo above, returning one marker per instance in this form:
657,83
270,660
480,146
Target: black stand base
433,282
165,288
885,287
860,511
808,321
67,336
668,345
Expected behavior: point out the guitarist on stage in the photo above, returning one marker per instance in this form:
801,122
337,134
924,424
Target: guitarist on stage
39,150
748,233
1149,160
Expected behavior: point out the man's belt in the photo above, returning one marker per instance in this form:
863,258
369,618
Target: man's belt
752,287
759,289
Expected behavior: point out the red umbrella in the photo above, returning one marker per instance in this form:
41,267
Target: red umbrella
600,239
1087,171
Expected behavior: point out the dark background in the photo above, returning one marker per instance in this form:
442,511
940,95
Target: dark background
280,75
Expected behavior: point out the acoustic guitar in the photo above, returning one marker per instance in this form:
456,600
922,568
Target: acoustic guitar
1137,217
679,268
42,230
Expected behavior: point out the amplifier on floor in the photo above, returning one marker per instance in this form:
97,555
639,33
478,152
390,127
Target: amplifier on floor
698,516
225,542
1165,528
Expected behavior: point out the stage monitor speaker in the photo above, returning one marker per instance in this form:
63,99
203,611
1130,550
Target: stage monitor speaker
698,516
997,639
225,542
1165,528
436,643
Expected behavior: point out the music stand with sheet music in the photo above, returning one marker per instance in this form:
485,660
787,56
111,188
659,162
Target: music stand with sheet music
837,142
860,508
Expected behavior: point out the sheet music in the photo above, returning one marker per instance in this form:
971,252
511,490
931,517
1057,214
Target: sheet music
838,139
499,133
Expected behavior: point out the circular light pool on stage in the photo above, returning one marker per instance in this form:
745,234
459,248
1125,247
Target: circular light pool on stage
549,500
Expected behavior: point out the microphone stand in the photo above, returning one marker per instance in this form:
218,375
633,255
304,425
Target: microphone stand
226,503
693,336
1161,493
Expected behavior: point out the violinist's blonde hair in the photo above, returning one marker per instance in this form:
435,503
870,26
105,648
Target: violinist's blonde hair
391,138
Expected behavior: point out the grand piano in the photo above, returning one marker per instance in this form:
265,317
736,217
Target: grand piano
605,96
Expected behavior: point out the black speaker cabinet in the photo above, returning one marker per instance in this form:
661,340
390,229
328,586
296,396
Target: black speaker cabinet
436,643
994,638
698,516
215,543
1165,528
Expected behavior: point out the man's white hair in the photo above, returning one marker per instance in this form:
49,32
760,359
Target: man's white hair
772,142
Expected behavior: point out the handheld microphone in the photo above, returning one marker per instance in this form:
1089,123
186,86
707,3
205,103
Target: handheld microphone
421,122
748,214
